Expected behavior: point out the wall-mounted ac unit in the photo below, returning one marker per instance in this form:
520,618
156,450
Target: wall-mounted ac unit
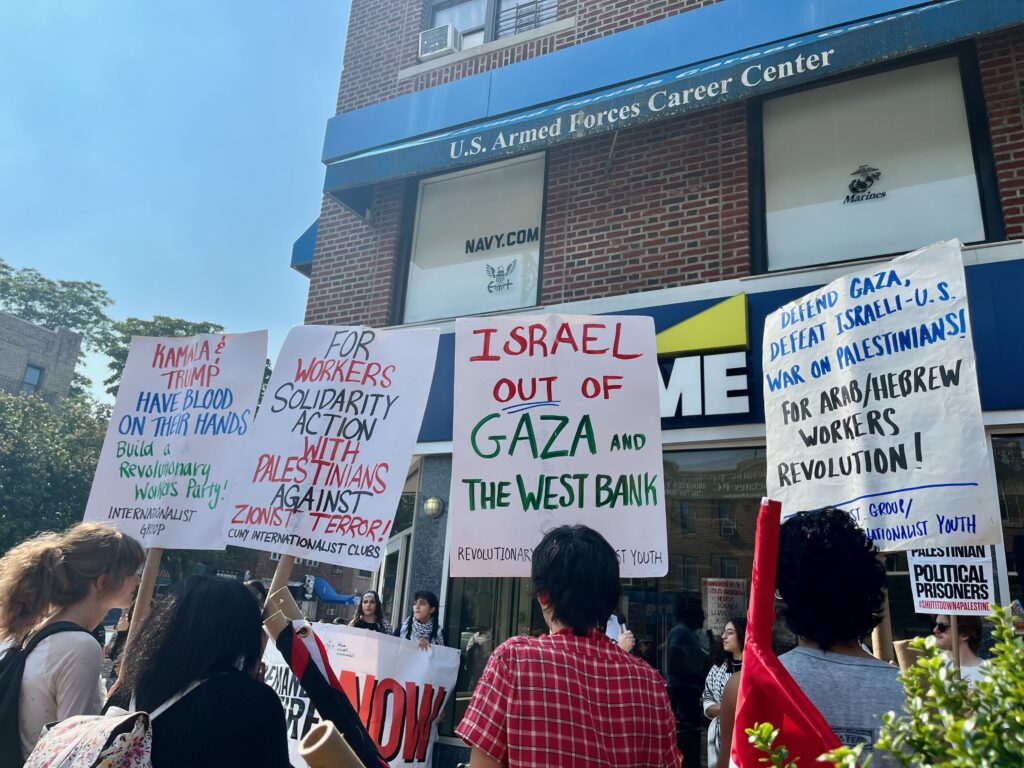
726,527
439,41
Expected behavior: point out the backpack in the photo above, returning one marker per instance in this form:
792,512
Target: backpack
12,670
117,739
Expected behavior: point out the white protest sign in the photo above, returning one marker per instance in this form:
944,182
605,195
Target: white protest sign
398,690
871,404
323,471
556,422
184,406
724,600
952,580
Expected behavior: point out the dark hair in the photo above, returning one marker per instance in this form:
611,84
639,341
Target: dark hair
578,571
211,625
830,577
431,598
378,612
739,623
969,628
259,589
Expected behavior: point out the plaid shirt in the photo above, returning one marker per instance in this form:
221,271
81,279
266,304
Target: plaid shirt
563,700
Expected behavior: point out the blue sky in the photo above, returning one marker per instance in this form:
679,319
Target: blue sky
168,150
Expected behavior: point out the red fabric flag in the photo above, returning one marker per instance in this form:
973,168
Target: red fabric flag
768,693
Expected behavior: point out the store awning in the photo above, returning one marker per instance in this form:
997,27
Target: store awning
756,71
302,250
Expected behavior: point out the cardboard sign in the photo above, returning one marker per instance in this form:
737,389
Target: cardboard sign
871,404
323,471
183,408
556,422
398,690
952,580
724,599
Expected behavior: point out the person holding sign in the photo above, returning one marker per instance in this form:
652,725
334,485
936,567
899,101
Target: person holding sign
969,630
63,585
570,698
369,614
422,626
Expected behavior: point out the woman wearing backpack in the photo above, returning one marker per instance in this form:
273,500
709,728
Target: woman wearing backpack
206,640
58,587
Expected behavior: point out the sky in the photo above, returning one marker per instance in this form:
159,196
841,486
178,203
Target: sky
168,150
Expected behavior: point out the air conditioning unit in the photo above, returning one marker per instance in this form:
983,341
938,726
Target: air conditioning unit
726,527
439,41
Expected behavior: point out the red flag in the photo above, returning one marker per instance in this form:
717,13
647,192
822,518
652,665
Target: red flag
768,693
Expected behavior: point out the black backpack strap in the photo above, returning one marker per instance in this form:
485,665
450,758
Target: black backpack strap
49,630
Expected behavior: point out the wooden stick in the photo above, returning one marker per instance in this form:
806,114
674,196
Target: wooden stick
280,581
956,643
145,594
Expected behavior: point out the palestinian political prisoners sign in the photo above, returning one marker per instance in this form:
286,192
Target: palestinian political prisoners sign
323,470
183,408
398,690
724,600
556,421
952,580
871,404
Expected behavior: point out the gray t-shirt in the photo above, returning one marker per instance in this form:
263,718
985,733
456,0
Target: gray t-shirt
851,692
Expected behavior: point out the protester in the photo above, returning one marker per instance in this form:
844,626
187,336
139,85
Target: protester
370,614
833,586
259,591
207,635
423,625
570,698
969,629
686,665
714,686
72,578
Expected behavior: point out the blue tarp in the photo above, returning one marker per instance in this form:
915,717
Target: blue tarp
325,593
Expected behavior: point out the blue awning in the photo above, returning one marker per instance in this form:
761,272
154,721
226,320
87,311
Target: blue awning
757,71
302,250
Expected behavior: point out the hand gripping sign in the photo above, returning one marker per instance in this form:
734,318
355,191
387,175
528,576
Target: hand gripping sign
330,450
871,404
183,408
556,421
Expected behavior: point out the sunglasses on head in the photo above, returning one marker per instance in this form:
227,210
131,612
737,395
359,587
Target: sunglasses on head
940,626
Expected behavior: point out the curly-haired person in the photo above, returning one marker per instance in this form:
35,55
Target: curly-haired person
833,585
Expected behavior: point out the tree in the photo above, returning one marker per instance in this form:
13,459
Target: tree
119,337
47,461
77,305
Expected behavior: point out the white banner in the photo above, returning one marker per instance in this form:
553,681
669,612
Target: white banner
184,406
871,404
398,690
321,476
952,580
556,422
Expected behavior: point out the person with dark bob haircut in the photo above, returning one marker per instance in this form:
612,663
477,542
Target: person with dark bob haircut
572,697
207,635
833,585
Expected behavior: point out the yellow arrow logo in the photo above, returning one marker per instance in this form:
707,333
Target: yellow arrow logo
720,327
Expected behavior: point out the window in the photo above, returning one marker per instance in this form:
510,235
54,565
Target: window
31,381
275,556
870,166
687,518
481,21
304,561
476,241
728,567
691,573
337,570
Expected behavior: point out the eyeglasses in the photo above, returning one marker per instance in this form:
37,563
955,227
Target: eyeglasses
940,626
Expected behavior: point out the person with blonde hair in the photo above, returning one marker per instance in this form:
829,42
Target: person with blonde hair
70,579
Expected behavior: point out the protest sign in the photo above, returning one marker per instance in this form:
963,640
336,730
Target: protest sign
724,600
323,471
398,690
556,421
184,406
871,404
952,580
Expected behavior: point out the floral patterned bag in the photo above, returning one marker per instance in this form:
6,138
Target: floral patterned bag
118,739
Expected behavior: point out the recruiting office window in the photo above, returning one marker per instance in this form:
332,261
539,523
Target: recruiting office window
869,166
476,243
480,21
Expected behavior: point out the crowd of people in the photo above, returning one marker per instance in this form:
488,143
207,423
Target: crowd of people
576,696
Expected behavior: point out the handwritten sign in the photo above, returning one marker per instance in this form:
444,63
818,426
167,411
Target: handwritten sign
952,580
724,599
556,421
183,408
324,469
871,404
398,690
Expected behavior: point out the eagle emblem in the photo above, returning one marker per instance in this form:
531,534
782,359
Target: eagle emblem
500,281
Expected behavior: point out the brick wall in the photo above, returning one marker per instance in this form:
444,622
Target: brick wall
1001,57
23,344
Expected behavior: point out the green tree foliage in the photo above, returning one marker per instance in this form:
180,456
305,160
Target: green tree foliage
47,461
119,337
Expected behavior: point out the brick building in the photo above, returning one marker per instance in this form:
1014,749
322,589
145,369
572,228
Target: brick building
667,158
35,360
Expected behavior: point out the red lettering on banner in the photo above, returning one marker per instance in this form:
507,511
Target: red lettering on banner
419,719
385,689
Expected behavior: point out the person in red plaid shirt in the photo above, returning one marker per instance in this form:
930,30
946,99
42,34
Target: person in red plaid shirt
573,697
